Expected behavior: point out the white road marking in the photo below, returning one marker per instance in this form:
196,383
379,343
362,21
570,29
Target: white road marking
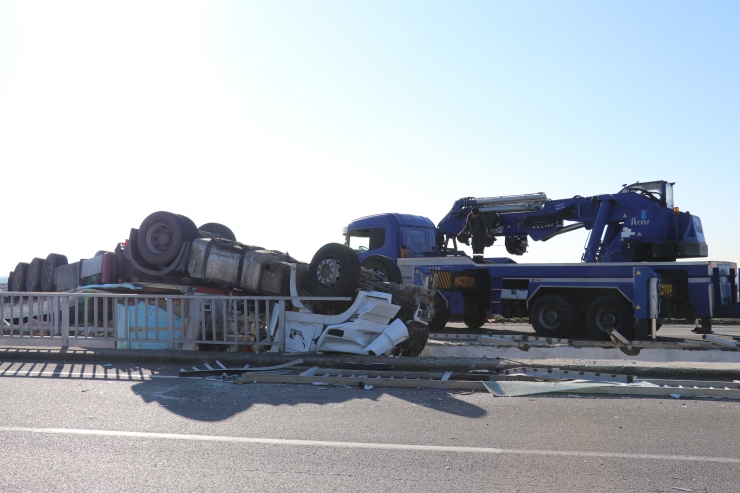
362,445
101,375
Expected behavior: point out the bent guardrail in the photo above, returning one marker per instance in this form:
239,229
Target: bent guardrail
144,321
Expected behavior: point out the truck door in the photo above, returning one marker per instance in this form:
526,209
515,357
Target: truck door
416,240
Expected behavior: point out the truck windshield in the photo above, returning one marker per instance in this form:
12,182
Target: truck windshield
362,240
659,191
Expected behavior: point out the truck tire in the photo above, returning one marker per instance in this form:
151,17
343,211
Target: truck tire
609,312
334,271
414,345
477,321
218,230
383,266
161,236
190,227
553,316
51,263
11,288
441,314
19,276
33,275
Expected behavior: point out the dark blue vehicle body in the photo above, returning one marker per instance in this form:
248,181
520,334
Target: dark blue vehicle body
388,234
689,289
637,224
632,228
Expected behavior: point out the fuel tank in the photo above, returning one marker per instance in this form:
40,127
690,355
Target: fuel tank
247,267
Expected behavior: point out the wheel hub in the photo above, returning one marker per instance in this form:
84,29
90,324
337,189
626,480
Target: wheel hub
551,316
159,238
327,272
48,273
607,319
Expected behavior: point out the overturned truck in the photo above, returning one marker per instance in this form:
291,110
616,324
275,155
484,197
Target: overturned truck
169,250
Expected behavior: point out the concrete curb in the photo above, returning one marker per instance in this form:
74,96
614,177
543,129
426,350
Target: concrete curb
695,371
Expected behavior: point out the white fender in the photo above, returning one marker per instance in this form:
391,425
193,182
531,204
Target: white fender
394,334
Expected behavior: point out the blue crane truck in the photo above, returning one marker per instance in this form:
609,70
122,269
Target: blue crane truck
634,234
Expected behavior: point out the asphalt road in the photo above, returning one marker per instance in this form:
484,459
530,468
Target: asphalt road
134,429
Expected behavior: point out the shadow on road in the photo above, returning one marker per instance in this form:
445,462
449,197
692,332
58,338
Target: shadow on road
214,400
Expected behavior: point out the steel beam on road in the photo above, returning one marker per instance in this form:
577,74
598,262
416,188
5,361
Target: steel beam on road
375,381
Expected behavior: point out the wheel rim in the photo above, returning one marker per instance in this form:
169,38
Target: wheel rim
327,272
159,238
607,318
550,317
48,274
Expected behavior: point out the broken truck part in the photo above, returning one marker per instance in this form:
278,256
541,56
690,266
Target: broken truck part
506,383
168,249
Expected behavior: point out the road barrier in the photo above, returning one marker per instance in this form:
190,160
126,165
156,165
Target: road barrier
144,321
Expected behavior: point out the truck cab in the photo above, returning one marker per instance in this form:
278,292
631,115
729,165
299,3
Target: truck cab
393,235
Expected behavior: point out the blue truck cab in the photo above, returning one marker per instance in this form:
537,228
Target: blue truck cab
393,235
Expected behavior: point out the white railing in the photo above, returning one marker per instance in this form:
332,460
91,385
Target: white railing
144,321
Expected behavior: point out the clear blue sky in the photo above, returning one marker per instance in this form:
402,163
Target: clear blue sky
286,120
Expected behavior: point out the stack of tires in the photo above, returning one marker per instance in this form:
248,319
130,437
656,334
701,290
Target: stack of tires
37,275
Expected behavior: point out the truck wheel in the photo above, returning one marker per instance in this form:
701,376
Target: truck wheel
609,313
33,275
19,276
11,288
441,314
383,266
553,316
334,271
414,345
476,321
51,263
190,227
161,236
218,230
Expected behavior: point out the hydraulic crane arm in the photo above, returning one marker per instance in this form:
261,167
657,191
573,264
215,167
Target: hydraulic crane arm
639,223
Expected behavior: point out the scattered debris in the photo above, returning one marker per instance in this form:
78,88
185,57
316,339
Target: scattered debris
510,383
721,342
195,372
310,372
520,388
374,378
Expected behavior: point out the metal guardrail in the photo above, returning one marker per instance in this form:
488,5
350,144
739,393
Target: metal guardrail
143,321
